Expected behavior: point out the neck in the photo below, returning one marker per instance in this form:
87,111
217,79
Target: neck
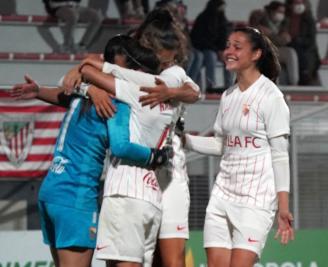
246,78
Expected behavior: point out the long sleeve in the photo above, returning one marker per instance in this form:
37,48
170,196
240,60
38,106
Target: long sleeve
119,137
205,145
280,163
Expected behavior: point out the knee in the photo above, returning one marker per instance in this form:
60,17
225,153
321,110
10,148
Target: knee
68,15
174,261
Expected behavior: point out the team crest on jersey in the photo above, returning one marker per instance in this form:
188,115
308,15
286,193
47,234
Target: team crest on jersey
246,109
58,165
16,136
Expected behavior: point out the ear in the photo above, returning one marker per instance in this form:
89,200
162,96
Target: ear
257,54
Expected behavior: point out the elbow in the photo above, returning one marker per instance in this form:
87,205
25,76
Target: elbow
194,97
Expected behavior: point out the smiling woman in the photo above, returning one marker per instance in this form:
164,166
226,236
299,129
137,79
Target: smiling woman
249,52
253,181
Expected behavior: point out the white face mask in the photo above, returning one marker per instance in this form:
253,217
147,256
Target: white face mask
299,9
278,17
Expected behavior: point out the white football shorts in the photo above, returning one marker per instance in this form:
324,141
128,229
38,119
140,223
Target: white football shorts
230,225
127,230
175,205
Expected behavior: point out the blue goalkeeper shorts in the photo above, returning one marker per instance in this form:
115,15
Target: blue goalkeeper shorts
66,227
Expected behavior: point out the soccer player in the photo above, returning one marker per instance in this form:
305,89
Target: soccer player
175,76
68,197
251,129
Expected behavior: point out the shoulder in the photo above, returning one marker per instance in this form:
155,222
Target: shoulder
173,76
271,88
229,91
174,70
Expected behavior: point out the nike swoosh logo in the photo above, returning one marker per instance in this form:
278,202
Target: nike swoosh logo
100,247
252,240
180,228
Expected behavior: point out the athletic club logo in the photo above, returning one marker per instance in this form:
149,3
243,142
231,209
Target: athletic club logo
16,137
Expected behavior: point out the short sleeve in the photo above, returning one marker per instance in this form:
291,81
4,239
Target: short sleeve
174,76
193,84
276,117
128,92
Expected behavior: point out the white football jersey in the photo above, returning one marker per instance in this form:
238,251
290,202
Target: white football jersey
147,127
247,120
173,76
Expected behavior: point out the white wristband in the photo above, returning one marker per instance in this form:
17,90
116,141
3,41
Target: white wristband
82,90
84,87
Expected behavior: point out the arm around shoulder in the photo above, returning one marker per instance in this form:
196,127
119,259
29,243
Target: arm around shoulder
98,78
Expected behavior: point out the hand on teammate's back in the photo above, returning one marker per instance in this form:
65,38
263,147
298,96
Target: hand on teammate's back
28,90
155,95
160,157
102,102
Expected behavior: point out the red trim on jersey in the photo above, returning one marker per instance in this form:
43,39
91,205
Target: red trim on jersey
236,182
163,137
256,194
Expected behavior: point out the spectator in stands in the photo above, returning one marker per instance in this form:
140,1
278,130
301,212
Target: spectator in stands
322,16
176,8
208,37
132,9
145,6
7,7
301,26
270,22
71,12
126,8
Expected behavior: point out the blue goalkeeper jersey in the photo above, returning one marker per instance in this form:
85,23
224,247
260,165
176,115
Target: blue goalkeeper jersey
80,151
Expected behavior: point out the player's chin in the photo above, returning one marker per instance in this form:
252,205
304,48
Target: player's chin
231,66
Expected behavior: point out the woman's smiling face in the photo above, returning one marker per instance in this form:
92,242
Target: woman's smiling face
239,54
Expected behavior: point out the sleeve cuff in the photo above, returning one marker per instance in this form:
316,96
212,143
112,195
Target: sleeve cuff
107,67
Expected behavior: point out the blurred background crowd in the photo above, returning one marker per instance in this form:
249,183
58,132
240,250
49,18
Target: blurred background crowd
291,25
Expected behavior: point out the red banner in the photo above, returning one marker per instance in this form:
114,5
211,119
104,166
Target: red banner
28,132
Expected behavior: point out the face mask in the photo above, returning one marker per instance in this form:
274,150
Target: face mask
278,17
299,9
